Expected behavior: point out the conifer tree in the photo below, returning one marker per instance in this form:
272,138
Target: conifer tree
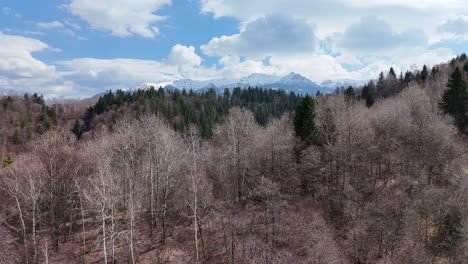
391,73
16,137
424,73
77,129
450,233
304,120
455,99
349,94
368,94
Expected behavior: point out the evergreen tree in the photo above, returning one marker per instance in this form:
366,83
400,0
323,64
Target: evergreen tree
368,93
449,235
349,94
455,99
391,73
16,137
465,67
434,71
304,120
424,73
77,129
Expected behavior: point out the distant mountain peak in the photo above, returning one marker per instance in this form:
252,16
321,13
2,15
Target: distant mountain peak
292,82
295,78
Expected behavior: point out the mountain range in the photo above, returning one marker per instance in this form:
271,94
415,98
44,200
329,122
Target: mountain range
292,82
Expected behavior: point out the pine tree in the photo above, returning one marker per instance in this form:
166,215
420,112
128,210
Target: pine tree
349,94
450,232
77,129
424,73
391,73
368,93
304,120
16,137
455,99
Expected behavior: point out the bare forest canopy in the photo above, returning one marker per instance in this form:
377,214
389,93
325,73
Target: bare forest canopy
372,174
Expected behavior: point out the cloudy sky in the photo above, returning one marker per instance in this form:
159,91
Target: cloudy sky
77,48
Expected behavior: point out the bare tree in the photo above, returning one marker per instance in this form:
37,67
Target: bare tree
235,136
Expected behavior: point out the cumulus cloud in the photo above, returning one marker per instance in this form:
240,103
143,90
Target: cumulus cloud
21,72
372,34
456,26
121,17
50,25
264,36
184,56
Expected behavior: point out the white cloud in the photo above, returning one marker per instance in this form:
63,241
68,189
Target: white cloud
264,36
184,56
422,4
21,72
457,26
50,25
372,34
121,17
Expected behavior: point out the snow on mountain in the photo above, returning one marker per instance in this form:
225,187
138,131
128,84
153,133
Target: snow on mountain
297,83
296,79
292,82
343,83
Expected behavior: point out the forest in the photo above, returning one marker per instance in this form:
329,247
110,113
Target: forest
372,174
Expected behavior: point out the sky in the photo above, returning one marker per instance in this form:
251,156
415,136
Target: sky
78,48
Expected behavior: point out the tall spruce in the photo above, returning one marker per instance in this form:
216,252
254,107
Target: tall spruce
455,99
424,73
368,92
304,120
349,94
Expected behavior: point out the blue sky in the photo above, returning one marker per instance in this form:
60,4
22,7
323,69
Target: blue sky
77,48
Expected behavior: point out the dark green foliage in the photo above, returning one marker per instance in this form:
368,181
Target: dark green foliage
304,121
7,102
368,92
16,138
77,129
349,94
434,71
48,116
38,99
455,99
204,110
409,77
391,73
465,67
424,73
8,161
449,236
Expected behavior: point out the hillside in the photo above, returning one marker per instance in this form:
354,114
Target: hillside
376,174
204,110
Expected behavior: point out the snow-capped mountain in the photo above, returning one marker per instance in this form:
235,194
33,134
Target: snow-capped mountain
254,80
297,83
292,82
332,84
